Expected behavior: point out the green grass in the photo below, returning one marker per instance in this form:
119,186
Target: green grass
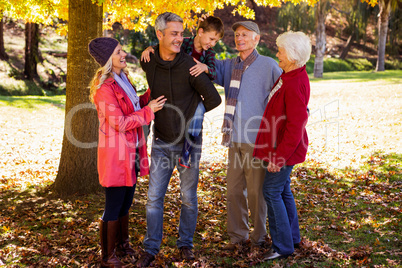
32,102
388,76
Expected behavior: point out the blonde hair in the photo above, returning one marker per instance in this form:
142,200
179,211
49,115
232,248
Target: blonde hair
99,78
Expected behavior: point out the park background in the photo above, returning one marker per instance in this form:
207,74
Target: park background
347,192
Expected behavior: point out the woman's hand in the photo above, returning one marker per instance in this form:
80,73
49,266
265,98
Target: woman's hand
273,168
145,54
157,104
198,69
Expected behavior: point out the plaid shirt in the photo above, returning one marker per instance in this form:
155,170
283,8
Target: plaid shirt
207,57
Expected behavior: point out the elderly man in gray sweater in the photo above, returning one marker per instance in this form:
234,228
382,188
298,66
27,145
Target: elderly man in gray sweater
248,80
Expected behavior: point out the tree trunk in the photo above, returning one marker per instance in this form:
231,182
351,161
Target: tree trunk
31,49
349,43
321,14
78,162
3,54
383,18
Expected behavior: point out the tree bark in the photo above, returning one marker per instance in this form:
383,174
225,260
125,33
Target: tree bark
31,50
3,54
78,162
349,43
321,14
383,18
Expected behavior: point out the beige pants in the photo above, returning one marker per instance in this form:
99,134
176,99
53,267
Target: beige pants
245,178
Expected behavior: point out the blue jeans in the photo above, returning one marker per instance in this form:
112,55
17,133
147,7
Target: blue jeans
282,213
195,125
164,158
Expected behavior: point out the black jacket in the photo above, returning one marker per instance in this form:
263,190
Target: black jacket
182,90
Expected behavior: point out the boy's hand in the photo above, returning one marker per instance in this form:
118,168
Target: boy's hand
202,18
199,68
145,54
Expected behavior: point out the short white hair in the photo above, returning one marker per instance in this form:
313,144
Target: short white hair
297,46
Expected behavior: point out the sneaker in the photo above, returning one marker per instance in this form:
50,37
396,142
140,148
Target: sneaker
145,260
272,254
187,253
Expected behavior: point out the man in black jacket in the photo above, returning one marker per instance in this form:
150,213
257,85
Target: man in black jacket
168,75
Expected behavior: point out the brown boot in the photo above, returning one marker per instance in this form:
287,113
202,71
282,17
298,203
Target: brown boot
108,235
123,241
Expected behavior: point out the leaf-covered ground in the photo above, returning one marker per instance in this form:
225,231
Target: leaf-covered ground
348,193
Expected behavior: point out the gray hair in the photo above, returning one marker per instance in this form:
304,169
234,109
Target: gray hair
164,18
254,36
297,46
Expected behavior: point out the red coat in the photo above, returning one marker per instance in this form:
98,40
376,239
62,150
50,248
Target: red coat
120,127
282,137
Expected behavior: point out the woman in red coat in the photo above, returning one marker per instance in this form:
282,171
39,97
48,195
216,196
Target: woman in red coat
122,154
282,140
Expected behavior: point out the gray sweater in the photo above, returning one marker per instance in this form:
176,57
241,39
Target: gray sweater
256,84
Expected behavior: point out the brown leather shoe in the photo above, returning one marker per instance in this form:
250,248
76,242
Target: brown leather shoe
145,260
230,247
187,253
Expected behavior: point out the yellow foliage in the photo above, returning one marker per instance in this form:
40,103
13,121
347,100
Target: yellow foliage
370,2
132,14
138,14
36,11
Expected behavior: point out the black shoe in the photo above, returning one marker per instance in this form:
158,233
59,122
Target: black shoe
187,253
272,254
145,260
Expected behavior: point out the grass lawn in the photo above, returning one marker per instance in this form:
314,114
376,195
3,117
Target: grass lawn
348,192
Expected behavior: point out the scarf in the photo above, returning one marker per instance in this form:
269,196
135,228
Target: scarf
275,89
234,88
125,84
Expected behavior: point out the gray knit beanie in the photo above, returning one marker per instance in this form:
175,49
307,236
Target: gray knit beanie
102,48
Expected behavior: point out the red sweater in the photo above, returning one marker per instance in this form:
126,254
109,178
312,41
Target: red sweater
282,137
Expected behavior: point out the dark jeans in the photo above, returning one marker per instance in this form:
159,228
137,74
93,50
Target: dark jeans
118,202
119,199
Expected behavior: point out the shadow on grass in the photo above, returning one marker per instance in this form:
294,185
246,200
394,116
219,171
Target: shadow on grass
348,218
31,102
40,229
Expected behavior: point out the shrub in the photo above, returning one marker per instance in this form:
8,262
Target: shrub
336,65
361,64
265,51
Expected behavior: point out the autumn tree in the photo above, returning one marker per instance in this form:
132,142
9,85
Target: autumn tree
383,20
320,41
78,163
3,54
4,5
31,49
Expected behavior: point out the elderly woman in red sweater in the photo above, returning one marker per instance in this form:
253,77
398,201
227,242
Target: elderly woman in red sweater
122,153
282,141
